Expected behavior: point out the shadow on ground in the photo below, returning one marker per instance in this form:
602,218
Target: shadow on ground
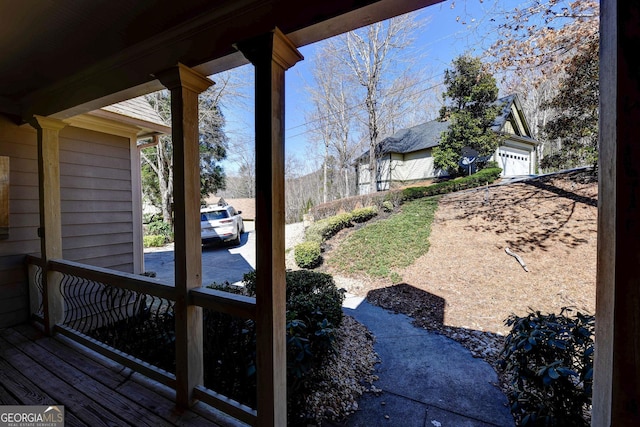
416,303
220,263
529,223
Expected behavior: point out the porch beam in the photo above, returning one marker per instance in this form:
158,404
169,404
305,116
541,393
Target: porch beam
50,231
271,54
185,85
616,392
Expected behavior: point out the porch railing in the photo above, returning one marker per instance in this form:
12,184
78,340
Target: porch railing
130,319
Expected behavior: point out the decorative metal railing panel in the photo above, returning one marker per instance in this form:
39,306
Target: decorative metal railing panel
229,350
35,285
133,322
131,319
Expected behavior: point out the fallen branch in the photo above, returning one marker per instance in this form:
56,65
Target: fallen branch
517,257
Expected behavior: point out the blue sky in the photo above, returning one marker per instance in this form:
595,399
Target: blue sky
448,32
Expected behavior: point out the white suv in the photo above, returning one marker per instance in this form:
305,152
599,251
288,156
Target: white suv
220,224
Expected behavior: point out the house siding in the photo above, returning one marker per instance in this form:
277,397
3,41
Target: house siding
411,150
96,199
415,166
362,173
96,205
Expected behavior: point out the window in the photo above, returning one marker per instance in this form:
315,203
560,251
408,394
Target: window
212,216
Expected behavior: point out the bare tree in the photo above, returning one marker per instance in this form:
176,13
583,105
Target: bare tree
331,118
301,190
375,72
323,130
157,162
242,153
543,36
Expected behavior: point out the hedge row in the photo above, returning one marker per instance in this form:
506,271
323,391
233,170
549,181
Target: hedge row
308,253
324,229
387,200
485,176
347,204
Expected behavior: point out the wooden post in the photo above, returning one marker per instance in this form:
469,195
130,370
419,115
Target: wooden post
271,54
185,85
136,204
50,230
616,394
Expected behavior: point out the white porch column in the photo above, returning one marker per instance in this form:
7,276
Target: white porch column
271,54
185,85
50,231
616,393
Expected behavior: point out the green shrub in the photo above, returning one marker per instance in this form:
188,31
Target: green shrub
394,197
387,206
307,254
363,214
153,241
549,359
335,224
314,311
326,228
311,296
160,228
314,233
314,300
485,176
492,164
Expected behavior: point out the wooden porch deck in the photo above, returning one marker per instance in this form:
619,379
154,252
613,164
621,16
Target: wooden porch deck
95,391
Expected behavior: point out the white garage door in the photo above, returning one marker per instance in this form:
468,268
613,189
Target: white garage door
513,161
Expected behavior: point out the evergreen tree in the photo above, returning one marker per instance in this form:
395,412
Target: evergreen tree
575,125
213,144
470,109
157,162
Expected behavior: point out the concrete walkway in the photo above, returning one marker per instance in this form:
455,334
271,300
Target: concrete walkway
427,380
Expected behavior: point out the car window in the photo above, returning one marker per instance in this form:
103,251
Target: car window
232,211
212,216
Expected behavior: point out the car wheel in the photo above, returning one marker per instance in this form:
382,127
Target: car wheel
236,241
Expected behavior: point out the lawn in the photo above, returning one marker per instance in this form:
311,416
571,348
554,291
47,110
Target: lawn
370,251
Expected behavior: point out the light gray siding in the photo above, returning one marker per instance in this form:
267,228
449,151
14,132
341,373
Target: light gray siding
96,198
19,144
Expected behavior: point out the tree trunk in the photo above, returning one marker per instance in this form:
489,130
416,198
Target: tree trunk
324,178
346,181
165,180
373,140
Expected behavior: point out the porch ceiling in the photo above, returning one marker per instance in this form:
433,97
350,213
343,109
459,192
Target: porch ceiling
63,58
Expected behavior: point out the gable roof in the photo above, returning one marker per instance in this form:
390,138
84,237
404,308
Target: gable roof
420,137
427,135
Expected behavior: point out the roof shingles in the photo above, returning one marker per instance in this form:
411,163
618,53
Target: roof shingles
427,135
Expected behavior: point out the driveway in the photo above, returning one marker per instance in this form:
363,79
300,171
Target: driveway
219,263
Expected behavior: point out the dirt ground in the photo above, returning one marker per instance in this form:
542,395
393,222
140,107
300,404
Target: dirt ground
467,282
